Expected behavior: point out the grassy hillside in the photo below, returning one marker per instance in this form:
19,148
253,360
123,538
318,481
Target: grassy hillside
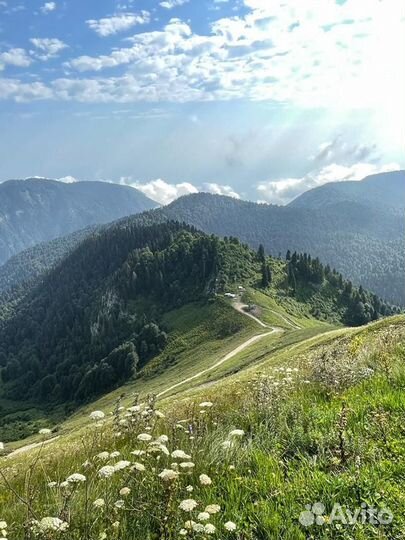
119,308
318,421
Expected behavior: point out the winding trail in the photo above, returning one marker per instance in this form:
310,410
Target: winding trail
240,308
29,447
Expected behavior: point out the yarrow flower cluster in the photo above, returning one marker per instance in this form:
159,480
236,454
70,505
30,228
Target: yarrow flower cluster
97,416
158,464
3,530
49,525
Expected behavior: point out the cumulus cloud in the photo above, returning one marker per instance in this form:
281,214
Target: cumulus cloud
23,92
15,57
161,191
281,51
218,189
48,7
170,4
47,47
285,190
320,55
164,192
118,23
68,180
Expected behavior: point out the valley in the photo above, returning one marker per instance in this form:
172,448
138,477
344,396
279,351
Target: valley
202,270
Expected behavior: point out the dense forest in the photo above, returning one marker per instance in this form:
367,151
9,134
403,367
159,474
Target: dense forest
95,319
85,328
364,243
357,306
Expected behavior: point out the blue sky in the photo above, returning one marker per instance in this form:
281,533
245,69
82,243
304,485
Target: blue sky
259,99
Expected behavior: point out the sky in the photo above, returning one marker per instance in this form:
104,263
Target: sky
256,99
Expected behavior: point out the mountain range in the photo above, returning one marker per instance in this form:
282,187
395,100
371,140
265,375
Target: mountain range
36,210
356,227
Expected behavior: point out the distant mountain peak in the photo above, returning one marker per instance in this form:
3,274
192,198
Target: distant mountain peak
35,210
378,190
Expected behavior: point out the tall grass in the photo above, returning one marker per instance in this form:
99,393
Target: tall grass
243,463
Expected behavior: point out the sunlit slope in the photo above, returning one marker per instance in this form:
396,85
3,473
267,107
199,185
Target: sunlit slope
204,335
318,420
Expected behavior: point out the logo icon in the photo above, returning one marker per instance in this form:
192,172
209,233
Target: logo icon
312,515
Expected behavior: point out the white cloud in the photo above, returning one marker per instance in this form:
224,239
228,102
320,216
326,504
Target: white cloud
49,48
319,54
48,7
286,51
118,23
170,4
161,191
284,190
68,180
24,92
218,189
164,193
15,57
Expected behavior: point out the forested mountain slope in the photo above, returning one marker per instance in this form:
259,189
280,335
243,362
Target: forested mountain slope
380,191
362,241
37,210
37,260
96,317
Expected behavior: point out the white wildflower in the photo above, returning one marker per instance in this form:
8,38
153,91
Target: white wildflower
121,465
115,454
187,465
103,456
107,471
203,516
179,454
212,508
168,475
198,527
49,525
206,404
144,437
189,489
134,409
205,480
188,505
139,467
97,415
76,478
99,503
210,528
119,504
125,491
230,526
44,431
